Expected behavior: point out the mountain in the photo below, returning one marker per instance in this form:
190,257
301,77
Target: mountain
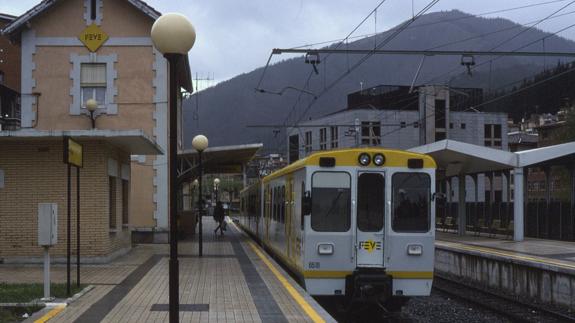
226,109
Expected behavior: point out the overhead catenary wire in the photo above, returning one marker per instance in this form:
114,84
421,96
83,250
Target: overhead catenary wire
306,84
501,97
532,26
421,25
420,121
546,36
490,61
367,56
498,57
417,26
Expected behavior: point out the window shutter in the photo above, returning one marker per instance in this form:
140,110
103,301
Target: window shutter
93,75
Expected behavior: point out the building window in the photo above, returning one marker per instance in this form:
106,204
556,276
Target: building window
307,145
463,126
112,201
93,83
492,133
451,125
1,77
440,114
402,124
293,148
323,139
93,9
94,76
371,133
334,137
125,202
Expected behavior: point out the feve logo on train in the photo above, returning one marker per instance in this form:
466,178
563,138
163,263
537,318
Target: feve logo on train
370,245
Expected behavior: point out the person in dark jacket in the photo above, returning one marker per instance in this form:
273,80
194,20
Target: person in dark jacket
219,217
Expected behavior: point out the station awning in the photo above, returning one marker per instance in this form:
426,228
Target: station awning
457,157
217,160
133,142
556,154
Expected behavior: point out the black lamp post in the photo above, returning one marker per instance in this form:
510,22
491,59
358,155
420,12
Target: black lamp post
173,35
200,143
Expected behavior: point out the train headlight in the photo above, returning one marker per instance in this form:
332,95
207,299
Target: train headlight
414,249
325,249
364,159
378,159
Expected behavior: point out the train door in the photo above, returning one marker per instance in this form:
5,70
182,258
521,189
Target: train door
370,219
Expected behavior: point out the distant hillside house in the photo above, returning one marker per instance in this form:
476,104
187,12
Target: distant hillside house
72,51
394,117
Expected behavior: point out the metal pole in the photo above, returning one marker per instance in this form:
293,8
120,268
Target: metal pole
200,250
78,227
92,119
68,227
461,205
46,273
518,215
173,166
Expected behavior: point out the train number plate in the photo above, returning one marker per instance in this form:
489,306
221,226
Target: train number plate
314,265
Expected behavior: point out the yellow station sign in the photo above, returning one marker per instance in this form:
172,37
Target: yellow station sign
73,152
93,37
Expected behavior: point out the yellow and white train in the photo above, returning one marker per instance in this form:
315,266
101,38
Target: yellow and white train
355,222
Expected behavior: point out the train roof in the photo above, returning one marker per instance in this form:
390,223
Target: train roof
349,157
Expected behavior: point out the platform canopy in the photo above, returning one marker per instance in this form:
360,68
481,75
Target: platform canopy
457,157
461,159
133,142
217,160
546,156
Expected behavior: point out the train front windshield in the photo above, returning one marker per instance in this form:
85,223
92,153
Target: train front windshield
331,202
411,202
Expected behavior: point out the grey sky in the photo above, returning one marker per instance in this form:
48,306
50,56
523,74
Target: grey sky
235,37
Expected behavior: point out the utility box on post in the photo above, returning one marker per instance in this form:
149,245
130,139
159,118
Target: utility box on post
47,224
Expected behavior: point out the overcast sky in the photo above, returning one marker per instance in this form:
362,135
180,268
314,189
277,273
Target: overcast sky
235,37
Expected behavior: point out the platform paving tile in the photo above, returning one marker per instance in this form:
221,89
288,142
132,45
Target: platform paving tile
216,279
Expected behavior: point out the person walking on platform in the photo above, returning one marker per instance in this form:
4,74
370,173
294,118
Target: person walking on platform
219,217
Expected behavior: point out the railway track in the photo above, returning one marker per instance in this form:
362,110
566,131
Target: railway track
513,309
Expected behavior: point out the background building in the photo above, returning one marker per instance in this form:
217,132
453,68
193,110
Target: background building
9,79
393,117
72,51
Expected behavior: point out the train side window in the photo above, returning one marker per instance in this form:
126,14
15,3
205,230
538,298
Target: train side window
283,204
331,202
370,202
276,200
274,203
410,202
303,203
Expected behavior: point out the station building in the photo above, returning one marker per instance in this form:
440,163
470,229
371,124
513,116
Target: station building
402,118
72,51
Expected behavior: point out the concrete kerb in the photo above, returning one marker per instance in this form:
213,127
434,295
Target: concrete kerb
534,261
48,306
67,301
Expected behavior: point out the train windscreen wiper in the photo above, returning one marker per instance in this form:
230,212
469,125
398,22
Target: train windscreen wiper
333,204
